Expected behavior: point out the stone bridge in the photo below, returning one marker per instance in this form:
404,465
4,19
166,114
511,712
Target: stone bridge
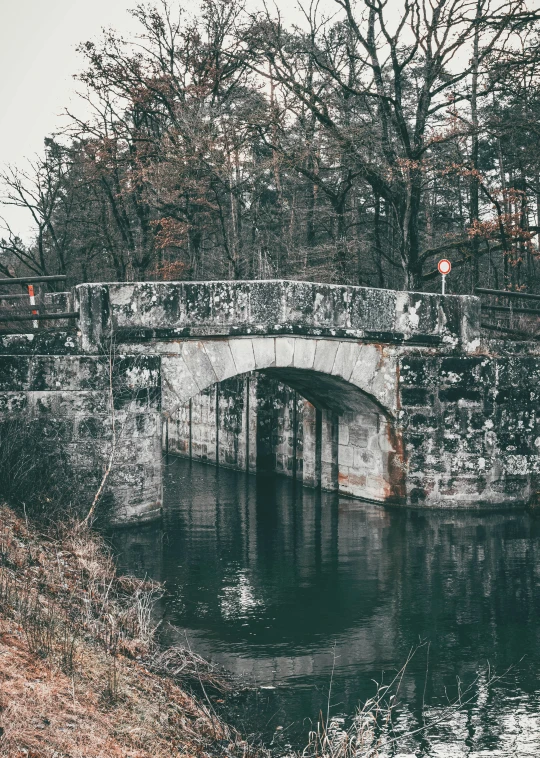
393,397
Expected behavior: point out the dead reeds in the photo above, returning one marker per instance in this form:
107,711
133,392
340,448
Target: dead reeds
81,674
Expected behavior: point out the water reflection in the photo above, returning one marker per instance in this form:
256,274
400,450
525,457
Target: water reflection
283,585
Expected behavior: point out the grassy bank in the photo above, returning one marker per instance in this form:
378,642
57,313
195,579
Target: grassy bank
80,674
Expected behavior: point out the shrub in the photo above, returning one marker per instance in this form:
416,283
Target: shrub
35,475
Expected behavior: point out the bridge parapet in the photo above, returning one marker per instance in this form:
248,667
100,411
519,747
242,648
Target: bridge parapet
172,310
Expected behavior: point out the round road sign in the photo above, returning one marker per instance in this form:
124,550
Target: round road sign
444,266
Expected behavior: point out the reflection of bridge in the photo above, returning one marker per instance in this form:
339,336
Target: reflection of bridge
273,556
400,400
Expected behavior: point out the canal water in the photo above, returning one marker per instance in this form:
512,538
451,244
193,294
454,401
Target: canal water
311,599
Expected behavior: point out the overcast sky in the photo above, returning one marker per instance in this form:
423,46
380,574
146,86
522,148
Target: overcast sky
37,62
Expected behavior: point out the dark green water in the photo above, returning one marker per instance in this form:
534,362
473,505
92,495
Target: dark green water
283,586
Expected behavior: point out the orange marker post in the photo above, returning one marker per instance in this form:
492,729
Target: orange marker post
32,297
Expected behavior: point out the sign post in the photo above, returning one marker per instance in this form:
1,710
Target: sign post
444,267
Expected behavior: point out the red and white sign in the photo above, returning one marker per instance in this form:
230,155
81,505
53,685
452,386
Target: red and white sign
32,297
444,266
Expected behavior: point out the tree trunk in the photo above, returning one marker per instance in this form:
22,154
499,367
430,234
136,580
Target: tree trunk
378,243
475,185
410,232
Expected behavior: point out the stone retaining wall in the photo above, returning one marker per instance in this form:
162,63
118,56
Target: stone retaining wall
471,428
97,412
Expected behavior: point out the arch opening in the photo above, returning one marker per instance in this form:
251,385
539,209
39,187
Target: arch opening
344,374
313,427
327,392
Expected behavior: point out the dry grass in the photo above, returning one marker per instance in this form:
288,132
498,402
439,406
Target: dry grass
376,730
79,674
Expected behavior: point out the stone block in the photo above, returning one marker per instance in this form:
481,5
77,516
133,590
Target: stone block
461,395
511,371
517,396
40,343
178,383
345,456
93,303
346,357
359,483
368,363
13,402
67,373
264,351
284,352
221,358
14,373
325,355
242,352
460,371
304,353
421,422
343,434
419,371
199,364
415,396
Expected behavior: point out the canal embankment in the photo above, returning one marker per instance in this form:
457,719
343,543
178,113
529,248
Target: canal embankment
81,673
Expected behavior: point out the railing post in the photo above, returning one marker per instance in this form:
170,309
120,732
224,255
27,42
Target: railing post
95,316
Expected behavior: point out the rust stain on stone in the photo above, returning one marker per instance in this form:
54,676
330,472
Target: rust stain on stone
357,481
395,488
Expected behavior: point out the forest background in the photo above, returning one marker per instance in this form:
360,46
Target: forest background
358,145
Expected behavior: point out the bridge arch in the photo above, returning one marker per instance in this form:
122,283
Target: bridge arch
341,375
350,440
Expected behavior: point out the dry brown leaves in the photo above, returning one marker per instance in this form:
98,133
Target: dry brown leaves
103,704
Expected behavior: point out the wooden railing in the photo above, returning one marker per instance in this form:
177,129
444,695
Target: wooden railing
30,305
515,309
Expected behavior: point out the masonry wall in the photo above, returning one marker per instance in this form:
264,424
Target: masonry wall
470,428
466,431
467,434
365,452
96,413
256,406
